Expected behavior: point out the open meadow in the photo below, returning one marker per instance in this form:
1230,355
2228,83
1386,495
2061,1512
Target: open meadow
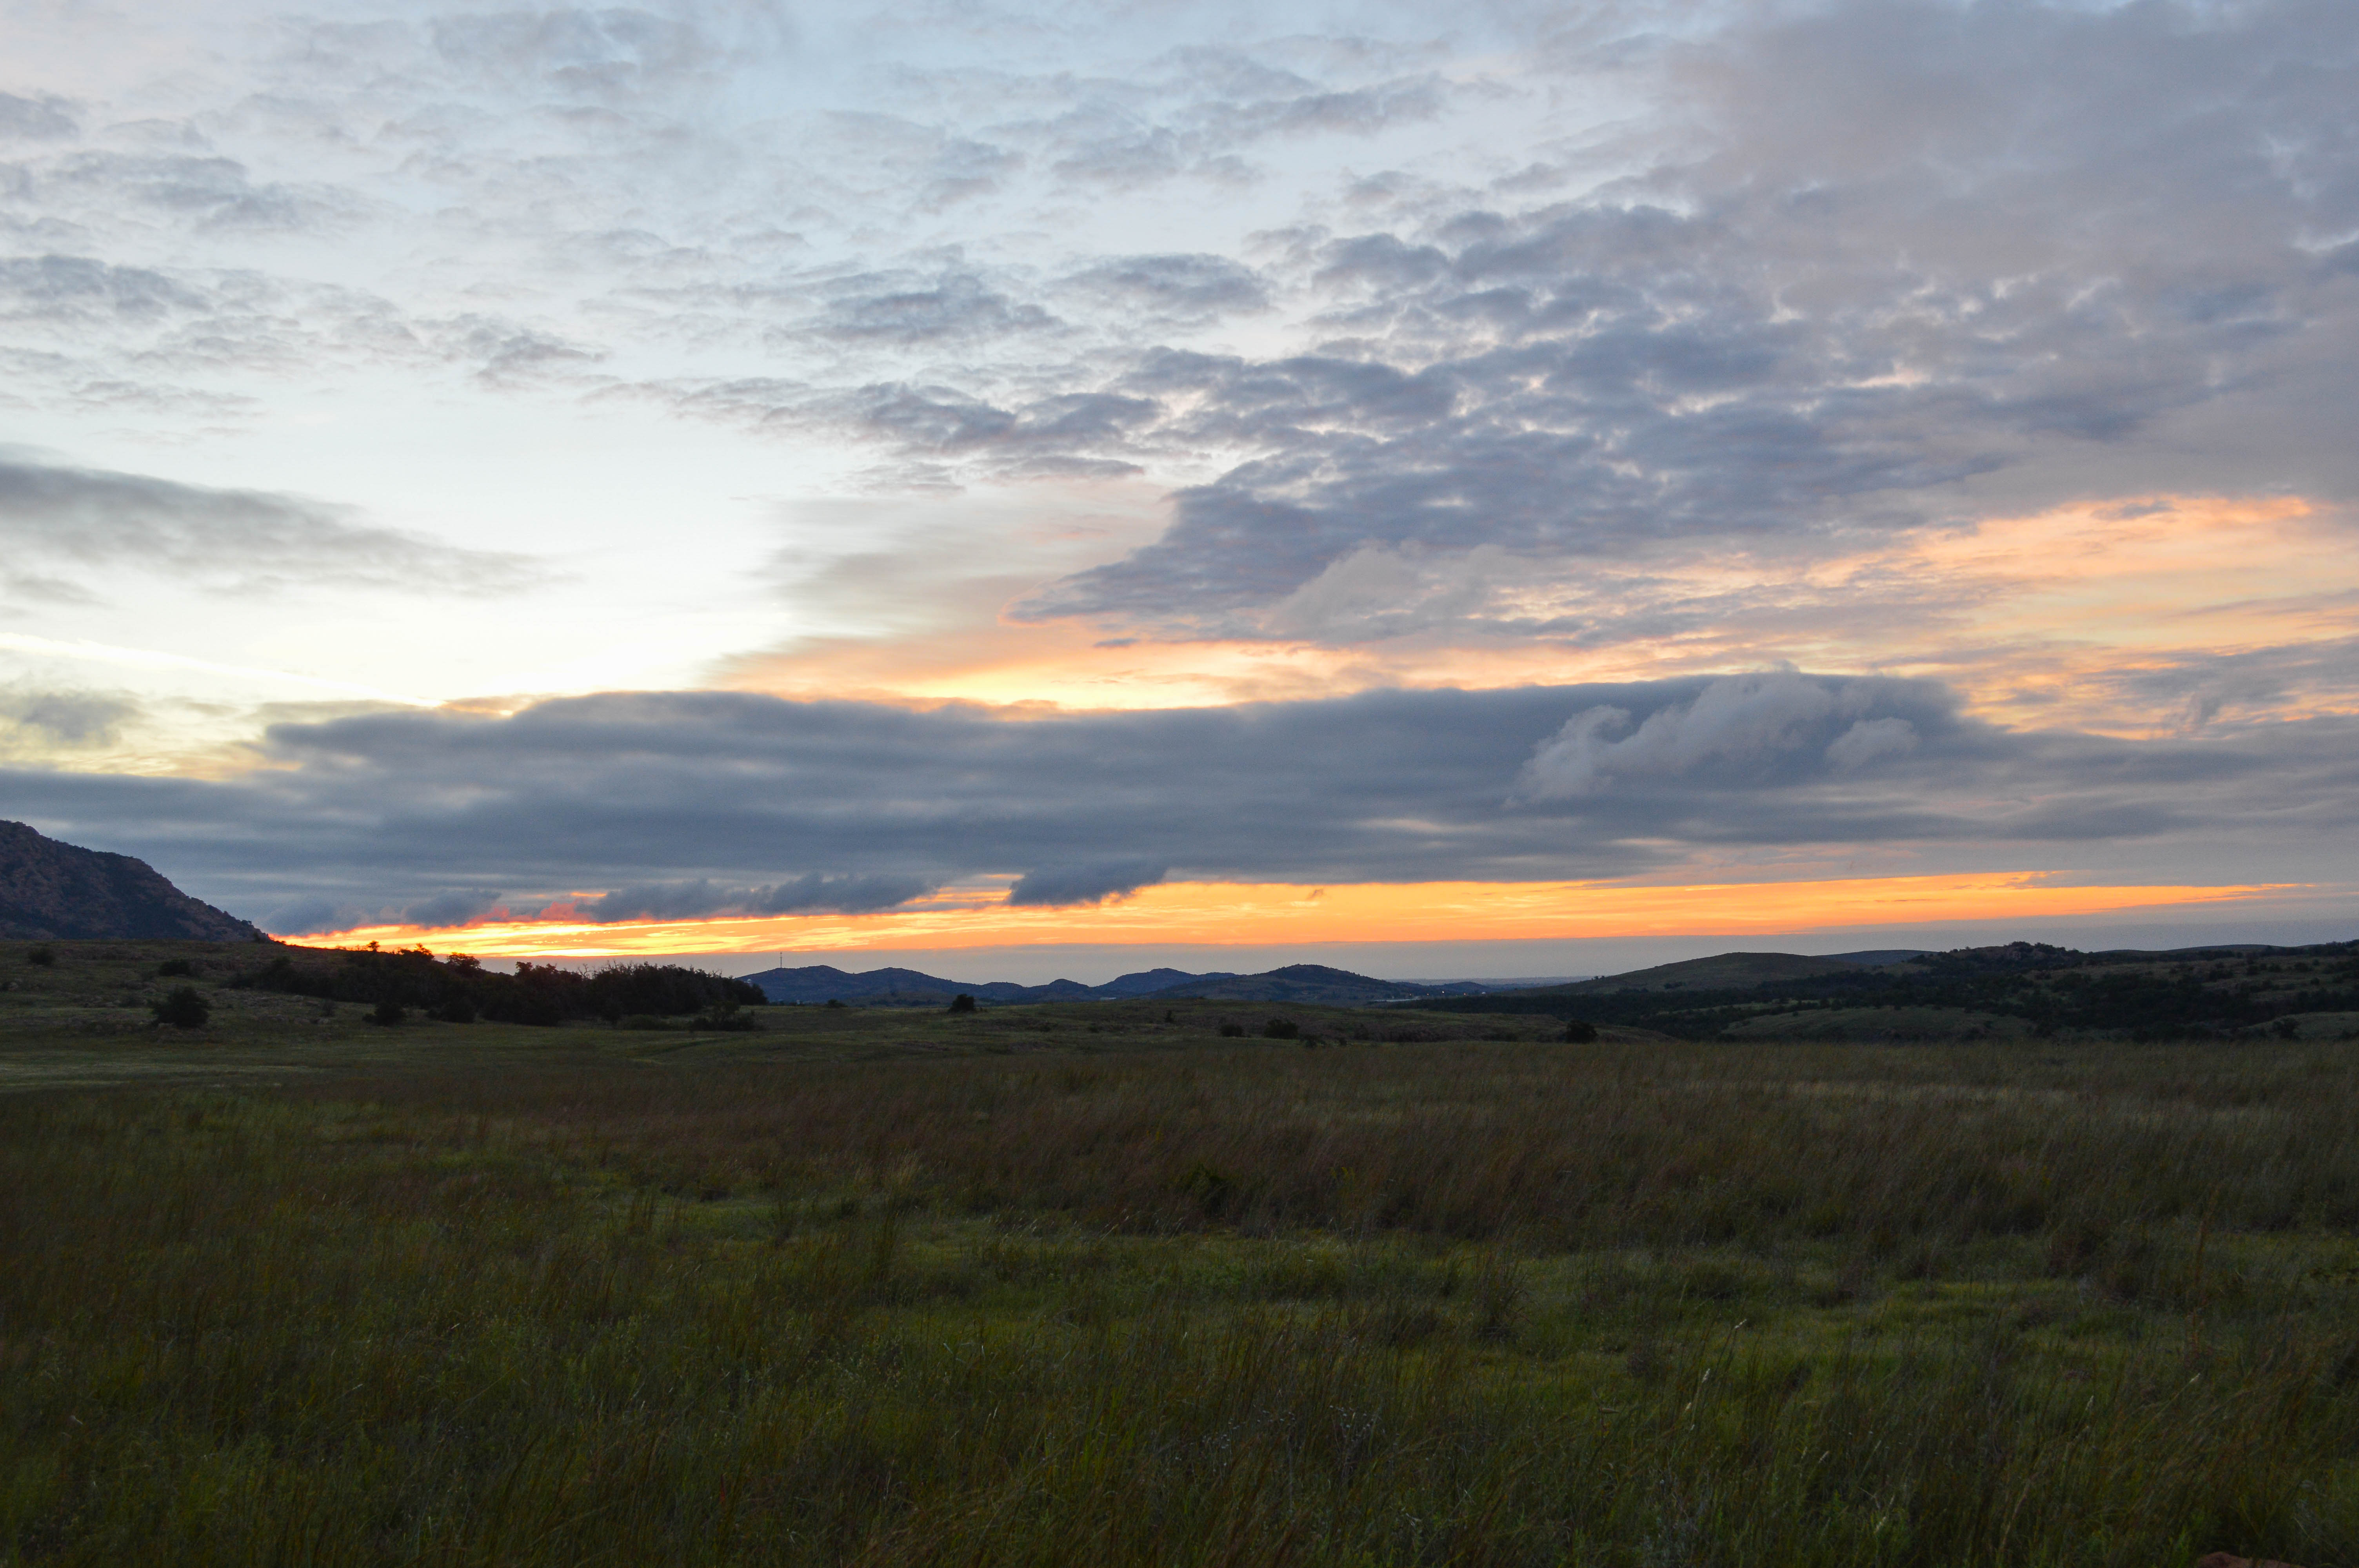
1098,1283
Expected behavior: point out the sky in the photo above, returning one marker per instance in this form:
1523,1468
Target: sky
1498,488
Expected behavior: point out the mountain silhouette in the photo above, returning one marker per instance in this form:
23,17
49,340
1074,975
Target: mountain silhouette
50,890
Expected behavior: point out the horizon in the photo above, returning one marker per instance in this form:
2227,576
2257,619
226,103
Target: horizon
716,479
1098,965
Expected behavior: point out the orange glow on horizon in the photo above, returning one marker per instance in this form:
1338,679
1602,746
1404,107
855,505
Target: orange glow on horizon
1263,915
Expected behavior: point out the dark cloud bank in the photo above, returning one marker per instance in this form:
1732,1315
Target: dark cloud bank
679,805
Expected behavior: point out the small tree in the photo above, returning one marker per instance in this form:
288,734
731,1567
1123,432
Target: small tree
42,958
1281,1029
389,1012
184,1009
170,967
1579,1034
962,1003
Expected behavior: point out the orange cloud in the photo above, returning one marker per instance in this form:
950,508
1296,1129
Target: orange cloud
1261,914
2034,616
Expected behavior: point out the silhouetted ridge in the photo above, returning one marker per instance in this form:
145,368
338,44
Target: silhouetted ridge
53,890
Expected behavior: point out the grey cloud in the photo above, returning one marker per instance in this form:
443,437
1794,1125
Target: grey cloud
129,326
665,901
1177,288
1068,885
815,893
35,119
80,290
209,192
313,916
1382,260
683,803
43,589
508,353
2005,249
930,168
2200,690
68,717
608,55
454,908
1358,110
237,539
1211,103
1765,727
839,895
953,307
1130,157
1071,434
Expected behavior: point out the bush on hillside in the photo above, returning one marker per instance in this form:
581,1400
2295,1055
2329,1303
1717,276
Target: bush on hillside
184,1009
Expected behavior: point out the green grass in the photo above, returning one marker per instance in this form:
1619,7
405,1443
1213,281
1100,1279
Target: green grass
1084,1284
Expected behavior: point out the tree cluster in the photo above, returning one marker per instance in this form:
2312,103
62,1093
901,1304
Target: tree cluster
459,989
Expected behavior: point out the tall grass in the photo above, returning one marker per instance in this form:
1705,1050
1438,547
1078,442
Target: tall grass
1270,1305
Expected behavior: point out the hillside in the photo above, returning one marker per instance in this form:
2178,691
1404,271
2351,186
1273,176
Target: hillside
1298,982
1719,971
2020,989
50,890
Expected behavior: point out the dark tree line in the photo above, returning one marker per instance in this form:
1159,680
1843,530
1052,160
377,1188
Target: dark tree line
460,989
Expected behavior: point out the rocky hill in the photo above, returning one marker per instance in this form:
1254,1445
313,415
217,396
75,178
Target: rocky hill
53,890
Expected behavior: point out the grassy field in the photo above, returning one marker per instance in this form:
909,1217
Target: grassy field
1097,1284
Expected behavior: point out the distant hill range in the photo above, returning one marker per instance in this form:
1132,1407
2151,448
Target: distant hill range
53,890
2019,990
821,983
1738,969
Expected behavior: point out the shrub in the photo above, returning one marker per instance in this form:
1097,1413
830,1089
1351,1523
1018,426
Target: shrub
832,1002
962,1003
43,956
1579,1034
1232,1031
184,1009
458,1009
1281,1029
170,967
389,1012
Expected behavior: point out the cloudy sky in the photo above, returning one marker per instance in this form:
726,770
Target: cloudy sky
1451,487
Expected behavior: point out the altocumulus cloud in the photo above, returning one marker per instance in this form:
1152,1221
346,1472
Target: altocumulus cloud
2066,249
691,803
